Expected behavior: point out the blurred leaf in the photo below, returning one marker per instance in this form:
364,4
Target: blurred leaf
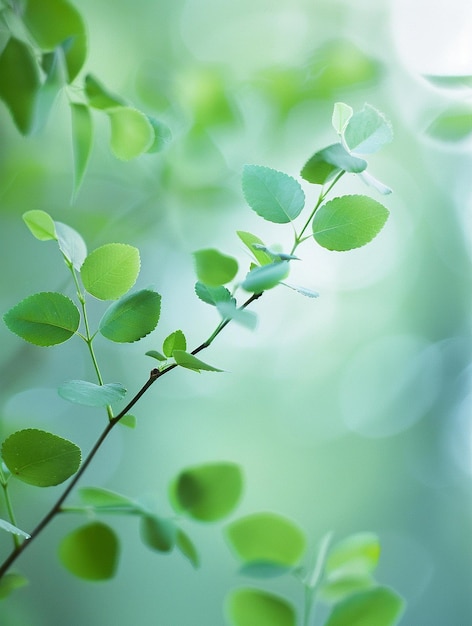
348,222
40,458
263,569
453,124
275,196
214,268
9,528
90,394
98,97
82,138
71,244
187,548
309,293
275,255
251,607
11,581
379,606
131,318
56,22
157,533
326,164
44,319
111,270
261,278
56,78
450,82
249,240
185,359
129,421
357,554
90,552
212,295
162,135
337,588
40,224
175,341
207,492
367,131
266,538
19,83
371,181
156,355
104,500
229,310
342,113
131,133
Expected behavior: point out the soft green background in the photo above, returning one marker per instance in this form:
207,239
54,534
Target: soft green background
347,413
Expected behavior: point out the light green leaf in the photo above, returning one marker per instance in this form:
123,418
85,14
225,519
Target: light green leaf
129,421
111,270
156,355
162,135
337,588
187,548
40,224
207,492
229,310
261,278
212,295
325,164
251,607
19,83
309,293
40,458
158,533
71,244
90,552
368,131
56,78
214,268
357,554
379,606
11,581
266,538
187,360
82,138
131,318
44,319
98,97
106,501
348,222
175,341
56,22
342,113
453,124
274,255
249,240
131,133
9,528
275,196
90,394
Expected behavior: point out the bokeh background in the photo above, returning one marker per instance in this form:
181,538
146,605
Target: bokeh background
347,413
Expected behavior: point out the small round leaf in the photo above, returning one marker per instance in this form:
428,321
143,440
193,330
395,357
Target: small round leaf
40,224
111,270
379,606
157,533
131,133
10,582
251,607
132,317
214,268
265,277
90,552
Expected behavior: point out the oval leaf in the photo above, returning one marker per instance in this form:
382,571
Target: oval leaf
187,548
251,607
71,244
348,222
249,240
40,224
187,360
212,295
90,394
207,492
266,538
40,458
275,196
329,162
375,607
98,97
90,552
175,341
44,319
82,137
157,533
104,500
261,278
358,554
454,124
111,270
132,317
367,131
10,582
214,268
131,133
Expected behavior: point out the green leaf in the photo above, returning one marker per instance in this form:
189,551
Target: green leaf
40,458
131,318
252,607
111,270
71,244
156,355
249,240
162,135
129,421
175,341
368,131
212,295
453,124
325,164
131,133
98,97
11,581
275,196
207,492
266,538
19,83
274,255
158,533
261,278
342,113
379,606
337,588
90,394
214,268
56,78
9,528
44,319
348,222
451,81
187,360
229,310
105,501
82,138
90,552
187,548
40,224
56,22
357,554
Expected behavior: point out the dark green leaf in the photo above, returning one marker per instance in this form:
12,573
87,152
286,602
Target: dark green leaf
40,458
162,135
98,97
158,533
187,548
214,268
11,581
44,319
111,270
187,360
131,133
273,195
156,355
212,295
379,606
261,278
329,162
207,492
131,318
40,224
368,131
82,138
249,240
252,607
453,124
71,244
90,552
348,222
9,528
90,394
175,341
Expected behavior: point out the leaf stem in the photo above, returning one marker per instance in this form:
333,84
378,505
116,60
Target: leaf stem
9,507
